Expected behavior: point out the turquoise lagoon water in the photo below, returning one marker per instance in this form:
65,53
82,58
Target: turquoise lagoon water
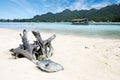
102,31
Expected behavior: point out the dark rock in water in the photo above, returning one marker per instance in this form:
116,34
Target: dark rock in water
49,66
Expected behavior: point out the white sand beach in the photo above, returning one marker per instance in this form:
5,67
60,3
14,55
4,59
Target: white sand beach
83,58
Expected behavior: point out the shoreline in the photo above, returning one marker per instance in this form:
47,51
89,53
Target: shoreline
69,34
95,31
82,58
104,23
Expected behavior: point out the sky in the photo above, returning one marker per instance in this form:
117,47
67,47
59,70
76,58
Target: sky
19,9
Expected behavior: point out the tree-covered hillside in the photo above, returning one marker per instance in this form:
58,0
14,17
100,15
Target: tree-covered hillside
108,13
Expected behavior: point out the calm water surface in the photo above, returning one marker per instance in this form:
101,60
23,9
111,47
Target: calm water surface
103,31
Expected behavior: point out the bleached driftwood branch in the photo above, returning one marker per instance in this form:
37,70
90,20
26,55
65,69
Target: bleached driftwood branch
39,51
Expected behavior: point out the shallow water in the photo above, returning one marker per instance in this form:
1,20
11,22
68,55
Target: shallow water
103,31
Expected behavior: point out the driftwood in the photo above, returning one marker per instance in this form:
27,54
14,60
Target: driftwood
49,66
44,44
38,52
25,49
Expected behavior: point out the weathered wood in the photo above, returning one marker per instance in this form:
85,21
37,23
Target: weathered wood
18,51
26,49
25,42
21,51
44,45
50,39
38,37
39,49
40,42
49,66
48,45
49,50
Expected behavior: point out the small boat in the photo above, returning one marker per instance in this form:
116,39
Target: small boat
80,21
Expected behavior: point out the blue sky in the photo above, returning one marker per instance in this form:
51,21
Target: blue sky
11,9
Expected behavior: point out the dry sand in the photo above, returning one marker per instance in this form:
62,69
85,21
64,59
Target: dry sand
82,58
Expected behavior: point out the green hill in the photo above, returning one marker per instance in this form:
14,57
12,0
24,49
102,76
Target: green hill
108,13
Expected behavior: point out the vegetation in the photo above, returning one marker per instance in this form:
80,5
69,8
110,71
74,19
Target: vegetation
109,13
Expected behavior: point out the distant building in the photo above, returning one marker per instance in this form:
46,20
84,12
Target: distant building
83,21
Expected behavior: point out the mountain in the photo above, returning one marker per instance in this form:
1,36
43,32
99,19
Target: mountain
108,13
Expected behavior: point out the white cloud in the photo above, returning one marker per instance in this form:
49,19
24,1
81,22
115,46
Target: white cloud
99,5
76,5
79,4
44,6
55,5
60,9
118,2
85,5
25,6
